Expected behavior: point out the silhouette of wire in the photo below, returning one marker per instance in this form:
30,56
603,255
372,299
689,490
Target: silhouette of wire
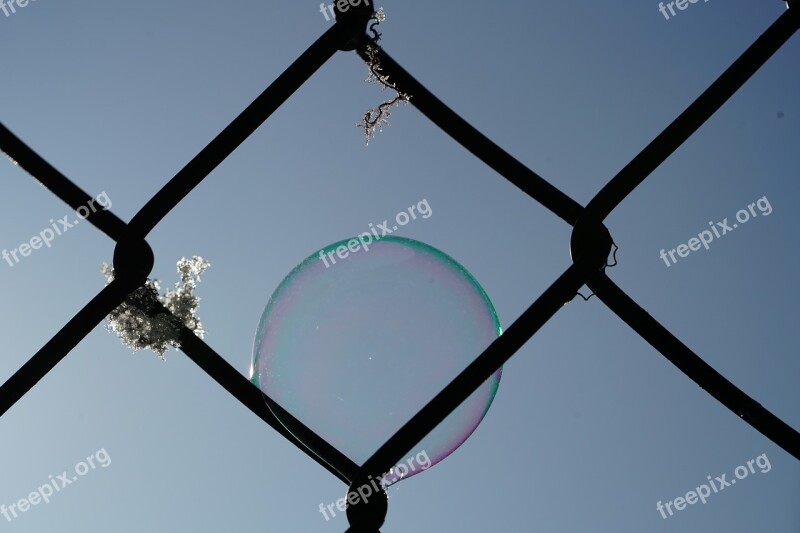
341,37
240,129
478,144
608,265
61,344
693,366
708,103
487,363
57,183
252,397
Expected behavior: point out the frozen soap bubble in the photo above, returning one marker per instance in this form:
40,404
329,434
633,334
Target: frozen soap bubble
353,347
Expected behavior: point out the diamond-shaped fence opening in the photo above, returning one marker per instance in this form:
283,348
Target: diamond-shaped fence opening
591,246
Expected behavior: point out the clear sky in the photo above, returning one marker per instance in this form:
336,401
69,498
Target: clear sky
590,427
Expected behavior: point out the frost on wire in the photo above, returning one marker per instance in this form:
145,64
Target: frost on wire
140,321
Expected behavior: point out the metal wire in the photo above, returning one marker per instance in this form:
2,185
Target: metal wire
340,37
694,116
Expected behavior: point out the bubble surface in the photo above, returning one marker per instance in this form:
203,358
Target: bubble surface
354,343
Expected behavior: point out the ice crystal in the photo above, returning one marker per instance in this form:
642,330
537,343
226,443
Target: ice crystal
376,118
141,322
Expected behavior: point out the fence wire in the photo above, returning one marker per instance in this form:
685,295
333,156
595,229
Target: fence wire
590,245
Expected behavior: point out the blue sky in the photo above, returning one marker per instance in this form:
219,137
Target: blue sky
590,427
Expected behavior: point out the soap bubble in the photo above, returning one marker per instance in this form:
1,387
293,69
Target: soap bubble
360,336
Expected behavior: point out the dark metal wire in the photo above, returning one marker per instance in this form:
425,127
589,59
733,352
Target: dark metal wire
339,37
57,183
610,196
247,393
477,143
61,344
240,129
481,369
694,116
693,366
174,191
